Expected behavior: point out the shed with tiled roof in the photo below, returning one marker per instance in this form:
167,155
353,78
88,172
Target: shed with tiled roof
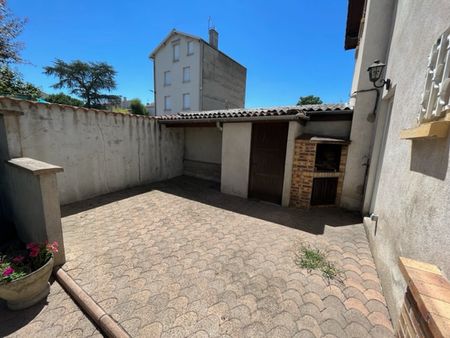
250,151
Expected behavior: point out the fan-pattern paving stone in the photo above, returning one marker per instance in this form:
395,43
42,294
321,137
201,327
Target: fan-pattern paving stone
58,316
180,259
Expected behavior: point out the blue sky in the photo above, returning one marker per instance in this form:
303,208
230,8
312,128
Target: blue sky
290,48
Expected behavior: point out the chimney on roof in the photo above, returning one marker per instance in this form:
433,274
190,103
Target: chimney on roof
213,38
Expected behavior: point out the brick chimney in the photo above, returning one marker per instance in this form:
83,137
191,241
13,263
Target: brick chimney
213,38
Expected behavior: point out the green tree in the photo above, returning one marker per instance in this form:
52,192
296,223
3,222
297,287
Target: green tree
10,28
85,79
62,98
137,107
12,84
310,99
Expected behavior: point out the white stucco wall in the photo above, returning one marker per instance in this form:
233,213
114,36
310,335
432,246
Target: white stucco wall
295,129
203,152
374,45
163,62
99,151
413,197
203,144
236,144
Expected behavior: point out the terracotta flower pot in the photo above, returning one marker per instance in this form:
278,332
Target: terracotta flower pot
28,290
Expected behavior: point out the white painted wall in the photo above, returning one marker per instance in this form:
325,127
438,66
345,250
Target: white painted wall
295,129
236,144
203,144
163,61
203,152
100,151
375,37
413,196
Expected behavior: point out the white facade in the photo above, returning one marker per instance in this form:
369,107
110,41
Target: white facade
177,75
192,75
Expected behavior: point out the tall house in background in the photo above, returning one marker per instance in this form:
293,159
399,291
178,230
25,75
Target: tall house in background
191,74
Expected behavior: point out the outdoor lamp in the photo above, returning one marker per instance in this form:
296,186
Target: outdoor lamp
375,70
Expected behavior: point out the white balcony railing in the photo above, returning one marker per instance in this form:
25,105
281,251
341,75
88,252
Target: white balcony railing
435,97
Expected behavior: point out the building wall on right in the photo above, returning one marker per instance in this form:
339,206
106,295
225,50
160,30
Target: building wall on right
411,185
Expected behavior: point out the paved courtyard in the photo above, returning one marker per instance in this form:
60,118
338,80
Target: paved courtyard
181,259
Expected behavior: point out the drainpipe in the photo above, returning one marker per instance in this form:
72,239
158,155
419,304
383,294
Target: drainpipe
219,125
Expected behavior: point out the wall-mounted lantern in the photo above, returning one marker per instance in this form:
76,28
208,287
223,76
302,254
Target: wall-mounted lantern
375,71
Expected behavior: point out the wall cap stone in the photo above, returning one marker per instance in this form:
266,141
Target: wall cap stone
34,166
7,102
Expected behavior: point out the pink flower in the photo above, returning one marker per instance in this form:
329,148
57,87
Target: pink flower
18,259
32,245
53,247
34,252
8,271
34,249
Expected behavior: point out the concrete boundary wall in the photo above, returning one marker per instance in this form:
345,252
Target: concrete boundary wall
100,151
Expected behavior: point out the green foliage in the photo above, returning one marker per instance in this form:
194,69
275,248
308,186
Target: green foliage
86,80
310,259
310,99
314,259
120,110
62,98
137,107
330,271
10,28
12,84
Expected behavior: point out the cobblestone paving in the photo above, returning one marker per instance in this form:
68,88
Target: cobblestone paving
180,259
59,316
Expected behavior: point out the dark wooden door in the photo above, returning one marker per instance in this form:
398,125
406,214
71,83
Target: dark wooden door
324,191
268,154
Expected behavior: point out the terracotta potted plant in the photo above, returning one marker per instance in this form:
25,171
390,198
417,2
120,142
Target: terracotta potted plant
24,274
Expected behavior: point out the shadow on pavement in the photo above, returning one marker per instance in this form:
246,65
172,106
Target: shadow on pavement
207,192
12,321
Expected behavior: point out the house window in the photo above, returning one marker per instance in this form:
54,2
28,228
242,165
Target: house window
435,97
176,52
186,101
167,79
186,74
190,47
167,103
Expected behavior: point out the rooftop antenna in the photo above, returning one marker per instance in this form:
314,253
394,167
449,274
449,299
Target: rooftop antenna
210,24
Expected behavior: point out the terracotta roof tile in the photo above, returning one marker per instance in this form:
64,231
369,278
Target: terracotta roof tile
257,112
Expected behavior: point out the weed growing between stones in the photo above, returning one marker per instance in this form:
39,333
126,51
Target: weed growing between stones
310,258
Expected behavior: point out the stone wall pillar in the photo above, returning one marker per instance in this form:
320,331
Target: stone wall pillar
34,199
